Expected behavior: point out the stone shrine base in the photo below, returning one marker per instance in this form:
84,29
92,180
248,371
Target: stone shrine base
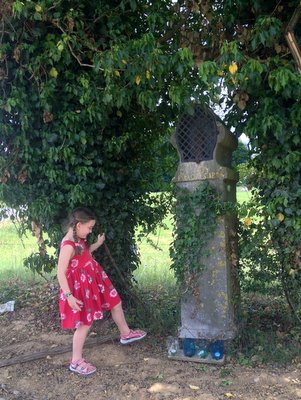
179,356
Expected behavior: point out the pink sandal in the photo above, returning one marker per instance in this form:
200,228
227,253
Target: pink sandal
132,336
82,367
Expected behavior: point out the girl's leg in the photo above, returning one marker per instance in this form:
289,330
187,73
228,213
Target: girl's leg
79,339
126,334
119,319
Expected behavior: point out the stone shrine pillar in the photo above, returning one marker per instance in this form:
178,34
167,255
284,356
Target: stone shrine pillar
205,148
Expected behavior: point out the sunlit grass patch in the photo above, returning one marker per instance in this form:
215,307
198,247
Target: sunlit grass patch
155,260
13,251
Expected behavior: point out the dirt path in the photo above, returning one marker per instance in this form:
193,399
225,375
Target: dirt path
136,372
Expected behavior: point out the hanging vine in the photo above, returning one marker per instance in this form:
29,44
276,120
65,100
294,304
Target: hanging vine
196,216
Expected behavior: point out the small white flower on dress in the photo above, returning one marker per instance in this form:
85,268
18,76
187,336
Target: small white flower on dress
89,317
78,324
76,285
63,316
74,263
113,293
101,288
98,315
95,297
104,275
87,293
74,311
83,277
90,279
62,297
105,306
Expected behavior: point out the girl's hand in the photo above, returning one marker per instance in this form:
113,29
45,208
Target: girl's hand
74,303
100,239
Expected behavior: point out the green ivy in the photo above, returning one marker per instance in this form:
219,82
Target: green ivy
88,97
195,214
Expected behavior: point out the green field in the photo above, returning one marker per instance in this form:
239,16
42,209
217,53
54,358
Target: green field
13,250
154,252
154,256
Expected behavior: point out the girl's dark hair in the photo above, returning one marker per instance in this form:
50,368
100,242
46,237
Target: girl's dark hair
79,214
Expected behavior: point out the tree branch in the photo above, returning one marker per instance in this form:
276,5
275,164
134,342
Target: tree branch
291,39
176,27
55,23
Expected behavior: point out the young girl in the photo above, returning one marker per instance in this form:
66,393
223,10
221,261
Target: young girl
85,289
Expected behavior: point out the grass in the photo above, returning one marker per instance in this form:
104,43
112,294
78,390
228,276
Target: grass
13,251
154,256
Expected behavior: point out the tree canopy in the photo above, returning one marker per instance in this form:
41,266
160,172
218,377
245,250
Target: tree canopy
91,91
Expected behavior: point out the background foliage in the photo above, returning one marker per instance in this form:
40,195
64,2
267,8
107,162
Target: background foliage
92,89
88,95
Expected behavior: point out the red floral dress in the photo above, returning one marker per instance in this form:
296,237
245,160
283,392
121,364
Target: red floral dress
89,283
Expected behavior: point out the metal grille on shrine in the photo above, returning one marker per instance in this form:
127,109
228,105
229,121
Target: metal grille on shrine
196,136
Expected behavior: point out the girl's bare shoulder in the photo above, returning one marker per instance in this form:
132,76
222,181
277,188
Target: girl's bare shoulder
67,241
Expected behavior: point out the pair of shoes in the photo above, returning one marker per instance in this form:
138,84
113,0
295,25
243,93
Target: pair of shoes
132,336
81,367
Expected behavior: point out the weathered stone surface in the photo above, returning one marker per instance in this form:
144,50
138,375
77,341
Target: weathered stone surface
209,313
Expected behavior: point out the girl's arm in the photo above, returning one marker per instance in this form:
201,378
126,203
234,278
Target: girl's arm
100,239
65,256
